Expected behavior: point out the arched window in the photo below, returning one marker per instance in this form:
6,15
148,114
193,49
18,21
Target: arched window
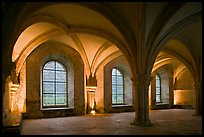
158,89
117,87
54,85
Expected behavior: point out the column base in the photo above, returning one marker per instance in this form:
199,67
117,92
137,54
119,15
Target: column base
146,123
198,115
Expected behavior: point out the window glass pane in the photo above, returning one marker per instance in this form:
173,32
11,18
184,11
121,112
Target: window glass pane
118,73
120,81
113,89
48,99
54,85
50,65
157,90
119,99
48,87
117,86
113,99
113,79
157,98
59,66
60,87
61,76
157,83
119,90
114,71
48,75
61,99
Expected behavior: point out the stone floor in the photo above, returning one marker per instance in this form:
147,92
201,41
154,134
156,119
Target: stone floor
165,122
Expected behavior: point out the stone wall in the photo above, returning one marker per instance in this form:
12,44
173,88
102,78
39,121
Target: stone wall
53,50
99,95
164,87
121,63
184,92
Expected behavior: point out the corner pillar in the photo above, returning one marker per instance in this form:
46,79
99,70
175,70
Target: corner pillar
198,91
91,88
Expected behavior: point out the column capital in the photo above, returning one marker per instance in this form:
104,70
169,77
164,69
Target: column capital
196,85
91,81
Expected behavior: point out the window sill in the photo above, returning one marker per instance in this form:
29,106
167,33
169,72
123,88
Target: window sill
161,103
54,108
121,106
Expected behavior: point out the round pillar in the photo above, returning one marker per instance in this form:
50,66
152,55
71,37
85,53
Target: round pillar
141,83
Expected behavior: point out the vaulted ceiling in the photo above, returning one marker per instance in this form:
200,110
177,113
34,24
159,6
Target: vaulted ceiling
98,30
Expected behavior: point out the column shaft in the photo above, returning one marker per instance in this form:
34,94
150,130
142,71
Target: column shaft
141,83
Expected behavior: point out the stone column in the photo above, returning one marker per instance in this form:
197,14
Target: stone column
6,102
141,83
91,88
198,91
171,91
153,92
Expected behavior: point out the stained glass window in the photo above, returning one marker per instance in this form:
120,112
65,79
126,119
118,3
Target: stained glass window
54,83
117,87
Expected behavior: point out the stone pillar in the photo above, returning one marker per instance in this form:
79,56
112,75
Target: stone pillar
141,83
91,88
14,75
171,91
153,92
6,102
198,91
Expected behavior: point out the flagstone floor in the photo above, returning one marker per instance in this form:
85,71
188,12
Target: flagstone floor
165,122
